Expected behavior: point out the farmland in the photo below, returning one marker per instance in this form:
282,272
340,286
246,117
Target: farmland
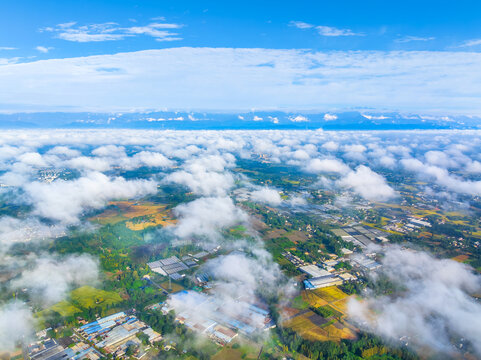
137,215
89,297
65,308
315,327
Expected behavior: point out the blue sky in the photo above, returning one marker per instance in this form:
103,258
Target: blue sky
48,30
382,25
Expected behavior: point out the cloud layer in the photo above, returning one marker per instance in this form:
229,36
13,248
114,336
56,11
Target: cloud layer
434,308
228,79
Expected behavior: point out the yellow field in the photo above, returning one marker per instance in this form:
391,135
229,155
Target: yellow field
330,294
308,330
453,217
461,258
154,214
175,287
334,333
312,299
163,219
341,305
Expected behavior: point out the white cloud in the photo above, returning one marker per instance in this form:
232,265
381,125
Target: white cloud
16,324
205,175
324,30
267,196
474,167
332,31
215,78
50,279
298,118
88,163
152,159
32,159
65,201
112,31
375,117
64,151
326,165
330,117
237,279
470,43
301,25
387,161
368,184
206,216
159,31
435,157
331,146
43,49
434,306
13,230
442,177
407,39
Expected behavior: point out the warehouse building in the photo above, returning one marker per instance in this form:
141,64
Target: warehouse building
322,281
314,271
112,332
167,267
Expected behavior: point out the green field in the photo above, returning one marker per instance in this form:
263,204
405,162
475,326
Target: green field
88,297
65,308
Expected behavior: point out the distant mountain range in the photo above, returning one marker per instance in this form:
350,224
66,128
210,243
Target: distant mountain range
353,120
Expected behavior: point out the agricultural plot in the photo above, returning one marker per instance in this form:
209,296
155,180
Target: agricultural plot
341,305
244,349
461,258
330,294
65,308
312,299
175,287
88,297
84,297
274,234
138,215
316,327
296,236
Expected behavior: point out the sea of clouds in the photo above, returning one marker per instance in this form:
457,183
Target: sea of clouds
359,163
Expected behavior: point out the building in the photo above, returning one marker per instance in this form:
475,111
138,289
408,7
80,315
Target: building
211,316
322,281
420,222
113,332
167,267
365,263
314,271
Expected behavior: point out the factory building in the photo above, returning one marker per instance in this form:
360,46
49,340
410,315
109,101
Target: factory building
168,267
112,332
314,271
322,281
